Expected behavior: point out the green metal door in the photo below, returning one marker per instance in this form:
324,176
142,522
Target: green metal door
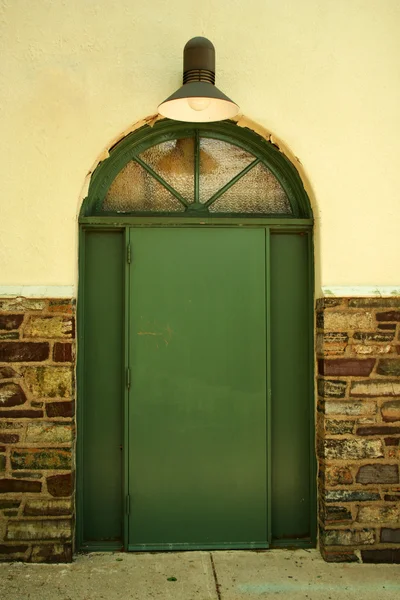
197,405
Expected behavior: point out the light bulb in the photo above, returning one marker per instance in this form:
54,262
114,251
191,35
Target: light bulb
199,103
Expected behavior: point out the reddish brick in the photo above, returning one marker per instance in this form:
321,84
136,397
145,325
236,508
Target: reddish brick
381,556
9,438
392,497
9,504
24,351
378,473
60,409
7,549
387,326
8,373
338,556
392,441
337,514
346,366
62,352
391,315
390,536
8,322
9,486
21,414
60,485
378,430
11,394
61,306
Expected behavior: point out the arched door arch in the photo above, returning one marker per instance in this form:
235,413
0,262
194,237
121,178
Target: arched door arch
195,336
200,152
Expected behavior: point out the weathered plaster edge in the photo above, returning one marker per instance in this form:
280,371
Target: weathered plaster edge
241,120
38,291
343,291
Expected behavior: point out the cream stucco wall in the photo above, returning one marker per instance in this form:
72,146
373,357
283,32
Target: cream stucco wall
322,75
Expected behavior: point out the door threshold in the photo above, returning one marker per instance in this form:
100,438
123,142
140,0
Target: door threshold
182,547
101,547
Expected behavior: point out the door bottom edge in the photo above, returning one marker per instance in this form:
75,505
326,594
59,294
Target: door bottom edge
100,547
182,547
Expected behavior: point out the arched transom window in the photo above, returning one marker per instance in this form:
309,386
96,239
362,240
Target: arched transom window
219,170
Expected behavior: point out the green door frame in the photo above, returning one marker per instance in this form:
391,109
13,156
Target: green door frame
125,223
93,218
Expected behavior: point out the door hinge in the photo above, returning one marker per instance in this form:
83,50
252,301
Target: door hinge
128,504
128,377
129,253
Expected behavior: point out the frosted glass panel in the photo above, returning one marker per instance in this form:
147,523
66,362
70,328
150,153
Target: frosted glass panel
174,161
256,192
219,163
135,190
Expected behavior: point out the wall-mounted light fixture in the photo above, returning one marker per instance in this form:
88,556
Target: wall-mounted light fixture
198,100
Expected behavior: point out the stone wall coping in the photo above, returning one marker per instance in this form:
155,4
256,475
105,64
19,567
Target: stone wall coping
360,291
38,291
328,291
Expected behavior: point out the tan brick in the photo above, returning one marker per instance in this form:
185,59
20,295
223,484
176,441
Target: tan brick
353,448
39,530
49,327
48,432
49,382
338,476
357,408
375,388
388,513
340,537
43,507
348,320
365,349
22,304
41,458
331,343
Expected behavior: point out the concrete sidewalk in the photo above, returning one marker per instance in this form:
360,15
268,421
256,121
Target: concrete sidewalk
299,574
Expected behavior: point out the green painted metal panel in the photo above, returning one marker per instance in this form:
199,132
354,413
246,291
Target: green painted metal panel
290,381
102,386
197,406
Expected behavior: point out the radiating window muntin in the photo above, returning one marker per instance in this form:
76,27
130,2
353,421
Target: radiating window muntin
196,175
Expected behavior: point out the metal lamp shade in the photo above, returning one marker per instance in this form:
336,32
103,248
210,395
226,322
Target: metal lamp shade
218,107
198,100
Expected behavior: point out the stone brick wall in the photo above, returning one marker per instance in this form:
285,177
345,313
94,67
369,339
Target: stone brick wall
358,428
36,429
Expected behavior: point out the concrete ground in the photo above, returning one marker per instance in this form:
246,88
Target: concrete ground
288,574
